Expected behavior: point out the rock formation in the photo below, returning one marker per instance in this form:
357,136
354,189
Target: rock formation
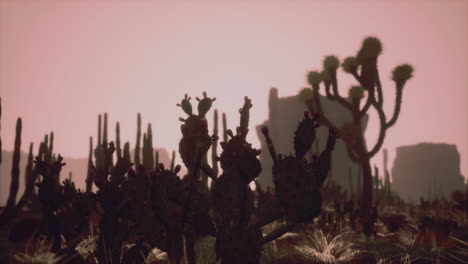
426,170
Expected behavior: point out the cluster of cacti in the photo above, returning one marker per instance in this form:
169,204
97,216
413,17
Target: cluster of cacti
363,68
152,206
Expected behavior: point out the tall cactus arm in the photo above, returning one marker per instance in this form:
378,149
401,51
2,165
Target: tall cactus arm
225,135
269,142
117,140
244,113
104,132
30,178
214,146
99,140
15,171
137,144
89,176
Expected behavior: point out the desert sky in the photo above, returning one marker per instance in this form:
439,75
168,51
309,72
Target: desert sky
64,62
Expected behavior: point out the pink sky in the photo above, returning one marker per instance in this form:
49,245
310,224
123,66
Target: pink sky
64,62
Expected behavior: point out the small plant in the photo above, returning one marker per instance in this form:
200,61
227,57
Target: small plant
38,251
317,246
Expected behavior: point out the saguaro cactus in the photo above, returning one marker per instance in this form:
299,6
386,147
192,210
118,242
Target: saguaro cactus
89,177
364,69
214,147
387,186
225,137
15,171
117,140
148,154
137,144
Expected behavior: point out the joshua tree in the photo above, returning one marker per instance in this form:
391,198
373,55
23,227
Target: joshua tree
363,68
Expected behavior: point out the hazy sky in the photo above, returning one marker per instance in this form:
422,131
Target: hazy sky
64,62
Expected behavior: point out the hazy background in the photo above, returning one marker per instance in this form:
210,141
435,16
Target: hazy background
64,62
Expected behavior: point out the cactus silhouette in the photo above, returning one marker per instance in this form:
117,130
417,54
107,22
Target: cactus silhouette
233,203
194,144
298,181
147,151
117,140
15,171
364,69
214,147
0,130
150,206
137,144
89,175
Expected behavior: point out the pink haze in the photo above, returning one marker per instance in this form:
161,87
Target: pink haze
64,62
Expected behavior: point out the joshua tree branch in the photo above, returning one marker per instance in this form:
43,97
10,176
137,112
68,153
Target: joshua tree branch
366,107
380,98
323,120
383,129
336,94
396,112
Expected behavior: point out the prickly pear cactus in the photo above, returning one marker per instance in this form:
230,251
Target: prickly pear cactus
232,199
238,156
195,139
298,181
